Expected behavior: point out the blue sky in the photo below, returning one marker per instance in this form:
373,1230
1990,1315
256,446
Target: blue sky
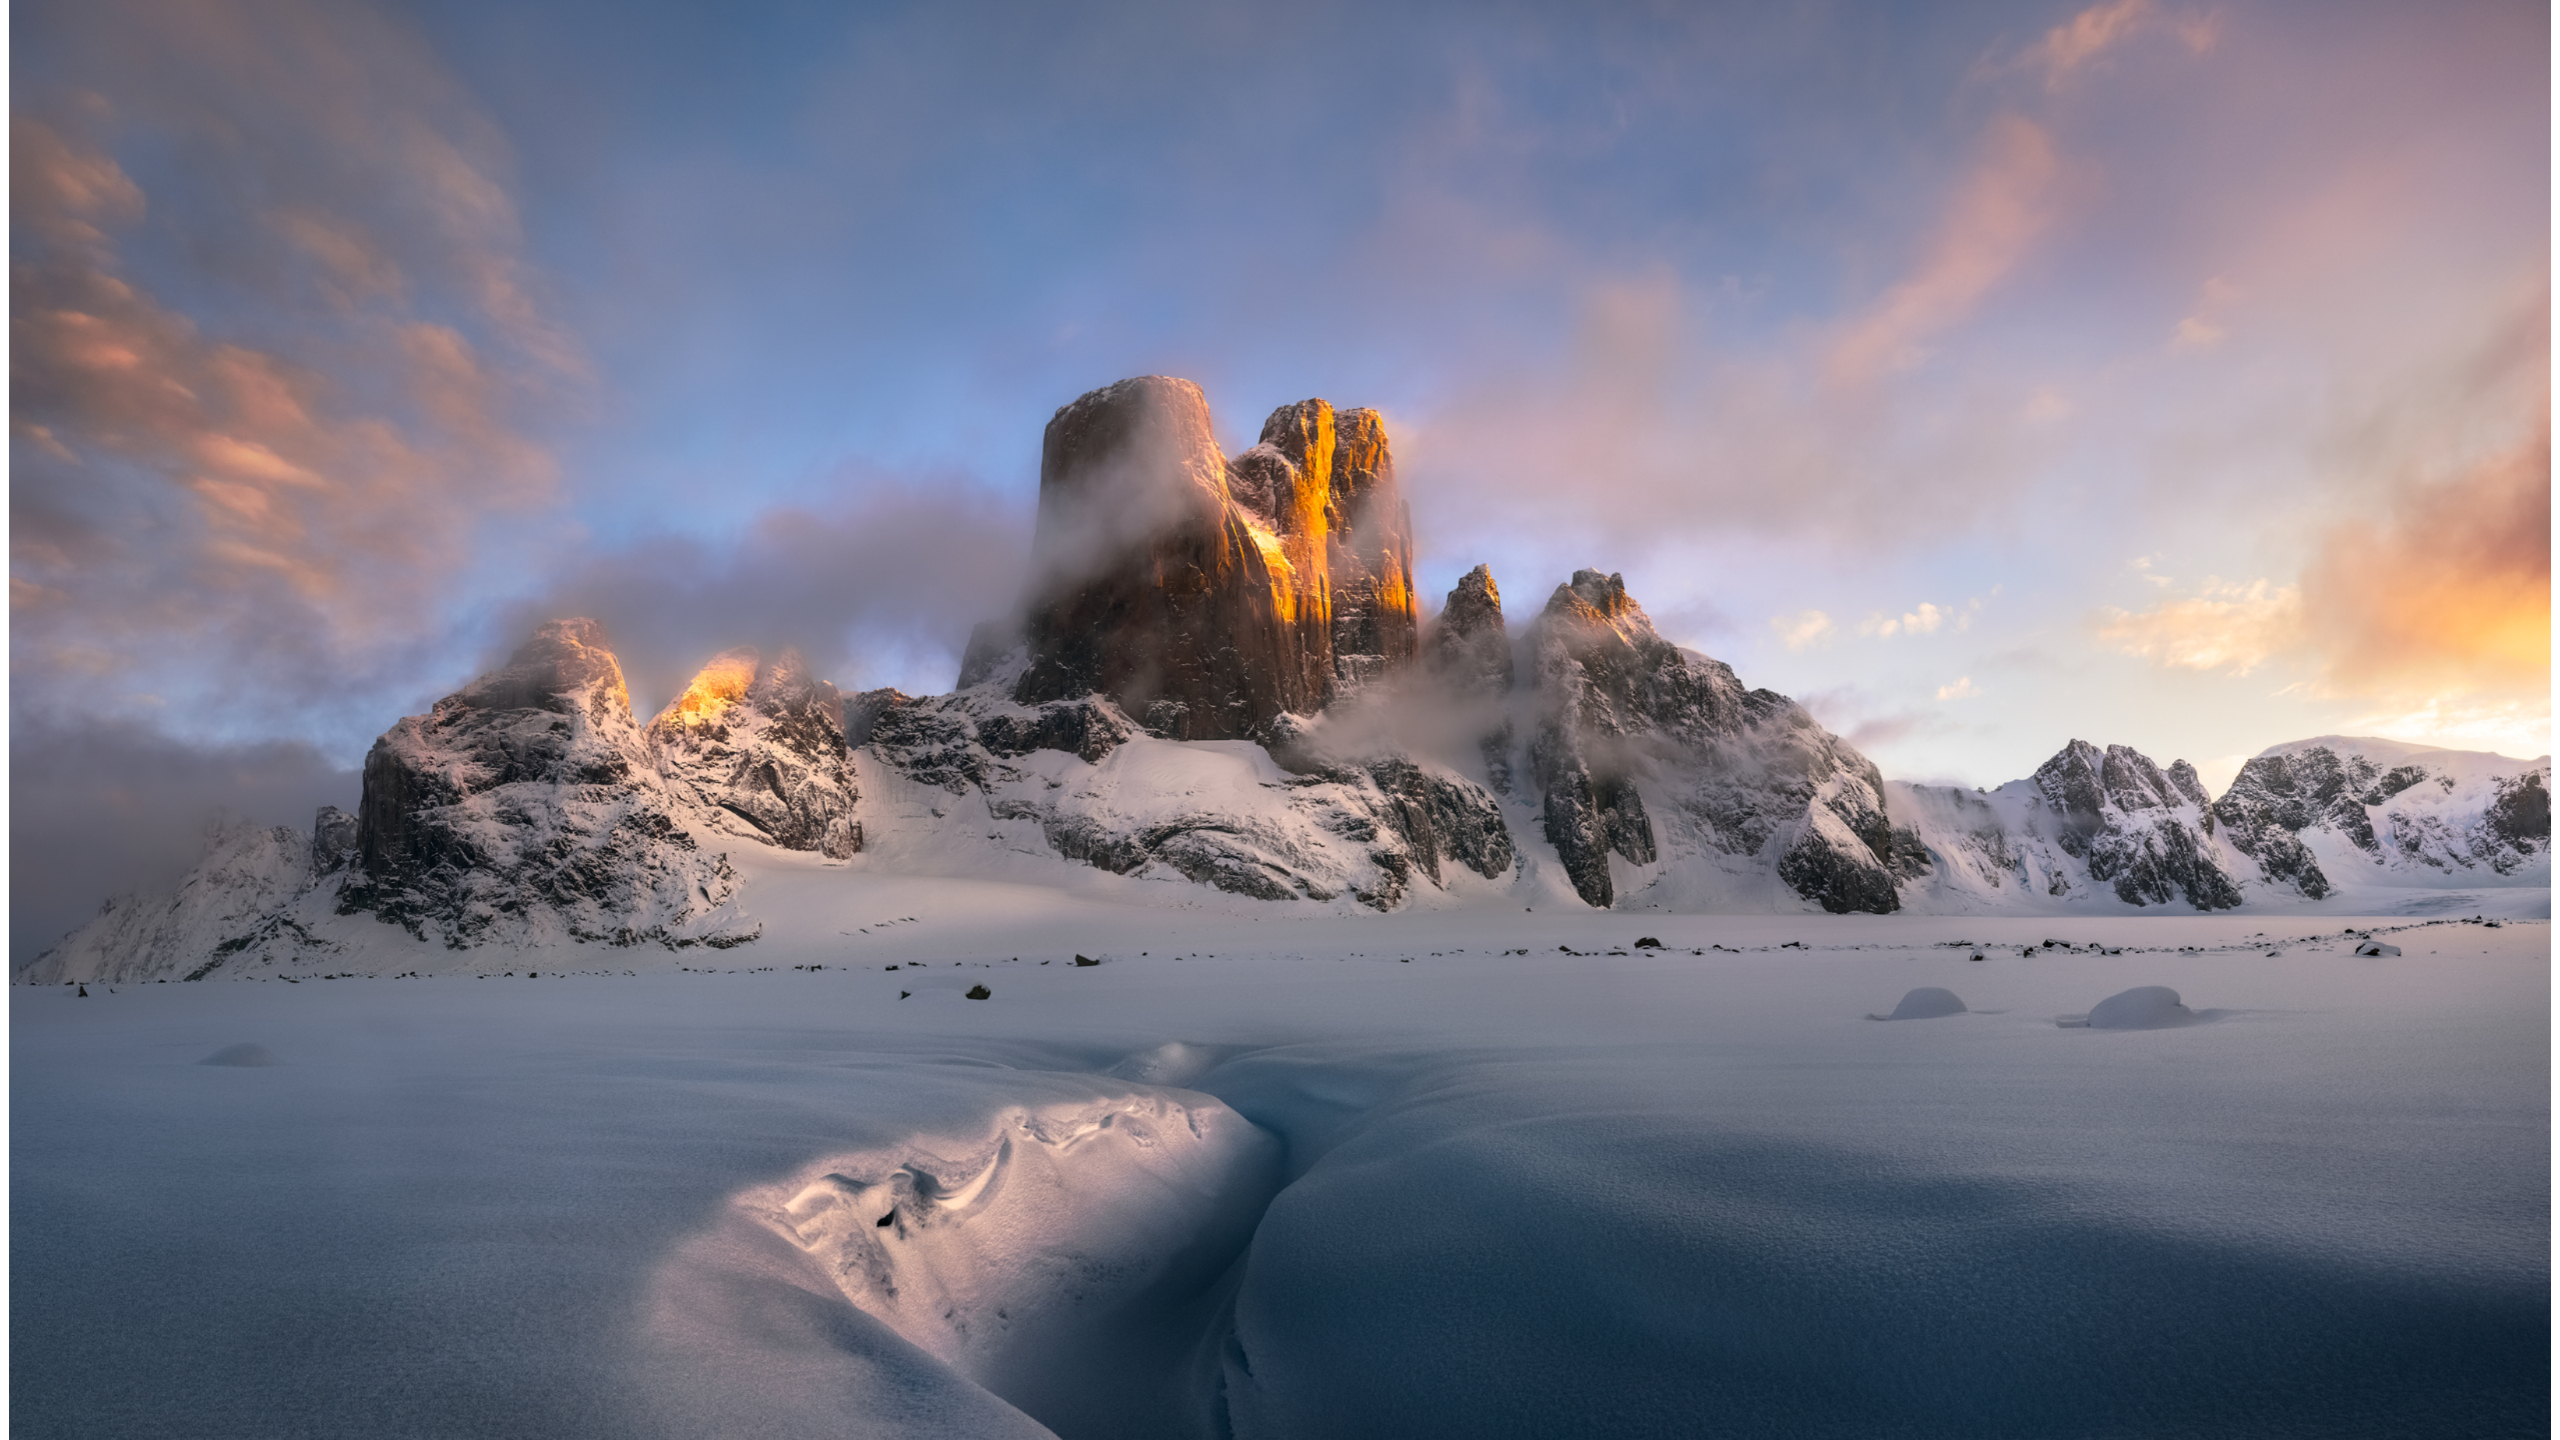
1985,375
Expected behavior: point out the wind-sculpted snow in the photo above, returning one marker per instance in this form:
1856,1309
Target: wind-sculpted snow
761,746
1497,1181
528,807
1742,773
1051,1257
2318,815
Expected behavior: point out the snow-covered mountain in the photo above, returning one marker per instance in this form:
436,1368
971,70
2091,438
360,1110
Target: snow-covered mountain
1742,779
2108,825
2338,814
1216,678
760,746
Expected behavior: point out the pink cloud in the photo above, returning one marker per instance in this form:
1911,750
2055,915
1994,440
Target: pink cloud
2004,203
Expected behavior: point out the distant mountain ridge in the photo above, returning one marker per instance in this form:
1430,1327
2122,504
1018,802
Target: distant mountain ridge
1217,678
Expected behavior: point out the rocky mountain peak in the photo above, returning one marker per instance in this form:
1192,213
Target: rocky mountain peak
2402,810
1474,606
567,665
760,746
1469,653
2140,829
529,805
1592,596
1204,597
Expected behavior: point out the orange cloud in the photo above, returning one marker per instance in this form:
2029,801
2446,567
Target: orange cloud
2451,595
183,489
2235,628
1995,216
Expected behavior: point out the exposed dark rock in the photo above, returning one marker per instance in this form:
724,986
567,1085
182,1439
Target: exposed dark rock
761,747
1151,586
333,840
2434,810
1089,729
2139,829
1441,816
1469,654
527,806
1747,768
2521,815
930,741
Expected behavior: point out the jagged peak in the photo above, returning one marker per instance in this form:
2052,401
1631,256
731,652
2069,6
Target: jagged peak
1473,601
565,666
1593,595
741,676
719,685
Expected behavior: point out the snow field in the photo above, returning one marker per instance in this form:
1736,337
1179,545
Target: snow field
1378,1175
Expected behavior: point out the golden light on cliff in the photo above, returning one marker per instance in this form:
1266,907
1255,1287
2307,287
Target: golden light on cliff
721,684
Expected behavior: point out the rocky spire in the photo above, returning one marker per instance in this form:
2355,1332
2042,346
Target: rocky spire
1748,772
1469,653
2141,830
1151,585
1367,532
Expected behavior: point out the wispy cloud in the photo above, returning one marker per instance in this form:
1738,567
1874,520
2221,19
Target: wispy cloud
255,474
1993,218
2081,41
2228,627
1810,627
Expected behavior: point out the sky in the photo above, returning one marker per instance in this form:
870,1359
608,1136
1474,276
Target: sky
1985,376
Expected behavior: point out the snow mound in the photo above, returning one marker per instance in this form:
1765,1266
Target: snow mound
2144,1007
2377,948
1041,1256
244,1055
1927,1002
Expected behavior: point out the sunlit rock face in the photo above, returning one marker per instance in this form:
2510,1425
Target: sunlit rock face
1200,595
1744,773
1468,654
2142,831
2385,811
528,807
1347,514
1151,586
760,745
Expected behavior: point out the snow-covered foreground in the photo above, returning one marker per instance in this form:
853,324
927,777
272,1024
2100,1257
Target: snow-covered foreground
1477,1172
